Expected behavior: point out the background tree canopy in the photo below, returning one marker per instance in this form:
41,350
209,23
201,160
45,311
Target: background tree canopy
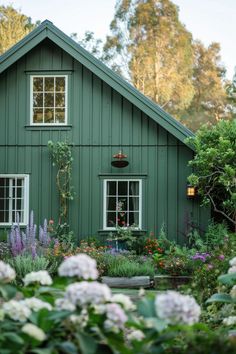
150,47
13,27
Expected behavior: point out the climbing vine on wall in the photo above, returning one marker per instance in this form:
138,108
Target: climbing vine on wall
61,155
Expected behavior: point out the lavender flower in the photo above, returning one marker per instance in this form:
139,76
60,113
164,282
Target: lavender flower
14,240
43,234
201,256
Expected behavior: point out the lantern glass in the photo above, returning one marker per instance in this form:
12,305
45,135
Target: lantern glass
191,191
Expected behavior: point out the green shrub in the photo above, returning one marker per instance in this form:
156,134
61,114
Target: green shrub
120,266
25,264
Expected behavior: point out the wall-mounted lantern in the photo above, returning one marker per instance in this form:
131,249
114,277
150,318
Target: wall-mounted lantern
191,191
119,161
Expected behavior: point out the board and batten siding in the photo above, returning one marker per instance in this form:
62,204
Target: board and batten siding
100,122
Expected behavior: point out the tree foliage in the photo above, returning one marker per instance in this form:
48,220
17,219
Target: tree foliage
209,103
214,167
157,50
13,27
150,47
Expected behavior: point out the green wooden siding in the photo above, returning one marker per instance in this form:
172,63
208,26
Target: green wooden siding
101,122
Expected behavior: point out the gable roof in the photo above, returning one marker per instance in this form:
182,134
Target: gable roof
47,30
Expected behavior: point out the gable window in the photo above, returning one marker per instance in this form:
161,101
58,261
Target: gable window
122,203
49,100
14,195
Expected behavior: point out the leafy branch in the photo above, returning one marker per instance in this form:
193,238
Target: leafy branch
61,155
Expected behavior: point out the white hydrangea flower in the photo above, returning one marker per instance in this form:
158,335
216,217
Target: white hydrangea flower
88,293
36,304
232,262
7,273
229,321
233,292
34,332
80,320
16,310
81,266
99,309
42,277
175,308
116,318
232,269
64,304
135,335
123,300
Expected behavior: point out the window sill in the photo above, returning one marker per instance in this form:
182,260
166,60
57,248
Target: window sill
48,127
135,232
2,225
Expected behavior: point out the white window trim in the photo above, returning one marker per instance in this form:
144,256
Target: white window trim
139,227
31,102
26,196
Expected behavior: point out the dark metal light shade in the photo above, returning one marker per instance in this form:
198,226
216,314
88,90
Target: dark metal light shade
191,191
119,161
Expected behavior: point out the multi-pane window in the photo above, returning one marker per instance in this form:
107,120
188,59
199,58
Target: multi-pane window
14,191
122,203
49,99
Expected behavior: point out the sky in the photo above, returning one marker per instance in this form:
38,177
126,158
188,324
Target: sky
208,20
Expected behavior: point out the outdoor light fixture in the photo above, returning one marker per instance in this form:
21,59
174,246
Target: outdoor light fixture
191,191
119,161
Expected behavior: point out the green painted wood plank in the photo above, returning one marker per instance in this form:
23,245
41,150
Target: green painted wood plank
172,192
162,188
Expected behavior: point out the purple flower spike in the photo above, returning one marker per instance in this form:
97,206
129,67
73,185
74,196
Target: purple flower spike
33,251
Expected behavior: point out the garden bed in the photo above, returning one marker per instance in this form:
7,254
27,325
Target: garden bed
163,282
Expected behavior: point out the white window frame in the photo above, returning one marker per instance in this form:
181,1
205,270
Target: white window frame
31,101
105,227
26,197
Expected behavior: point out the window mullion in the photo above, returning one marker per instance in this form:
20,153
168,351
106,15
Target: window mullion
117,199
10,199
128,205
43,100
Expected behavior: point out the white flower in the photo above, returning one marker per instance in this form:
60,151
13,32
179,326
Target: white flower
7,273
34,332
42,277
99,309
16,310
233,292
229,321
116,318
123,300
64,304
81,266
175,308
36,304
232,262
86,293
232,269
135,335
80,320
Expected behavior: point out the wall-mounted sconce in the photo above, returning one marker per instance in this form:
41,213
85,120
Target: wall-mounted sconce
119,161
191,191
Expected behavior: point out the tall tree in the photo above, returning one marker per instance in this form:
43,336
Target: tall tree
209,103
151,47
13,27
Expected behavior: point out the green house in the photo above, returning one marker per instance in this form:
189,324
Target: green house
52,89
